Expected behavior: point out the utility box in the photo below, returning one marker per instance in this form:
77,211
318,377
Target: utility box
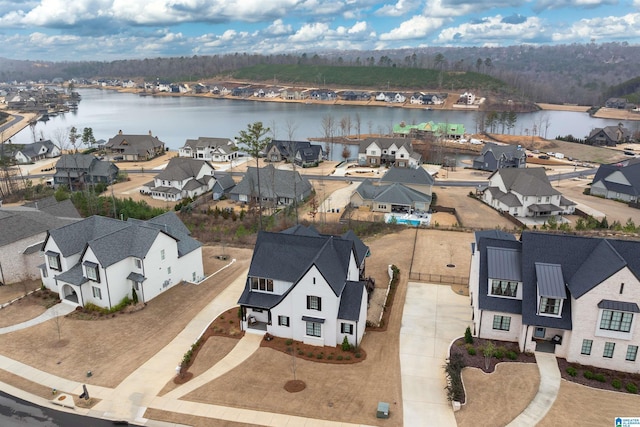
383,410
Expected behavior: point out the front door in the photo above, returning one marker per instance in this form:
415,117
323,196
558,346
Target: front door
539,333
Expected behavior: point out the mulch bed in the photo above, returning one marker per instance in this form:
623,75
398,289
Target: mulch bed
386,310
314,353
478,360
294,386
609,375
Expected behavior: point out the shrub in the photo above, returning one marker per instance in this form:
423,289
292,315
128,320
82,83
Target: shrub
599,377
616,383
339,357
588,375
319,356
330,357
499,353
288,342
471,351
310,354
632,388
512,355
468,338
453,369
571,371
345,344
358,355
347,357
300,352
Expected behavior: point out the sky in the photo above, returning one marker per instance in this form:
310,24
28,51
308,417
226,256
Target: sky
69,30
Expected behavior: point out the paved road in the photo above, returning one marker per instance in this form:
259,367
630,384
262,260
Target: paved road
15,412
15,119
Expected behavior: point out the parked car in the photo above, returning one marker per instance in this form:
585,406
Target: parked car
117,158
543,157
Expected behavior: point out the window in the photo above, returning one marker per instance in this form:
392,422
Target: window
314,303
283,320
616,321
162,254
608,349
346,328
632,352
138,263
262,284
97,293
621,288
92,273
501,323
586,347
504,288
168,270
314,329
54,261
549,306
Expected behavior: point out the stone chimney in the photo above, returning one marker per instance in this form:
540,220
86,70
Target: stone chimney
120,132
150,134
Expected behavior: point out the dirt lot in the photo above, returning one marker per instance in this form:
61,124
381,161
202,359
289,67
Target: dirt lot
472,213
614,211
484,390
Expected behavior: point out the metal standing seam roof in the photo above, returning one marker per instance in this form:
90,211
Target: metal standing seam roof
630,307
504,263
550,280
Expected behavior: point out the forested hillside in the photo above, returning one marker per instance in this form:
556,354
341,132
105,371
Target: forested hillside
579,73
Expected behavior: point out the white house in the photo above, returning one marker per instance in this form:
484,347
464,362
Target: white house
101,260
210,149
388,151
182,178
306,286
29,153
576,296
525,192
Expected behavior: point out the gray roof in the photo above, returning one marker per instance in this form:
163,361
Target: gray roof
526,181
550,280
181,168
224,145
630,169
385,143
273,183
288,256
140,145
351,301
600,262
17,223
485,240
407,176
70,164
113,240
74,275
504,263
397,194
62,209
506,151
224,182
544,207
508,199
607,304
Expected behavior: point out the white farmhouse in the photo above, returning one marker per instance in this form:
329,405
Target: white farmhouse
101,260
182,178
307,286
210,149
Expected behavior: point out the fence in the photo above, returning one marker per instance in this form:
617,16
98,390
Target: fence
438,278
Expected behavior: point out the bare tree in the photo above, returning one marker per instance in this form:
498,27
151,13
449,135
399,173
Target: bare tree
291,152
358,122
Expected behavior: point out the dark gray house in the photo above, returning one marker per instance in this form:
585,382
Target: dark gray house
496,157
303,152
224,183
79,169
276,186
619,181
609,135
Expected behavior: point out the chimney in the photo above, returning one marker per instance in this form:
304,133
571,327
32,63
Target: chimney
120,132
150,134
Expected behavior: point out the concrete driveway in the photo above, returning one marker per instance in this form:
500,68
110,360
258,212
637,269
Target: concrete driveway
433,316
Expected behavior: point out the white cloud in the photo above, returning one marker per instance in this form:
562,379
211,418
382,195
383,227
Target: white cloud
610,27
402,7
309,32
358,27
493,29
414,28
453,8
278,28
558,4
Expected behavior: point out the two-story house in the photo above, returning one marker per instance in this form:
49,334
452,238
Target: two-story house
619,181
76,170
388,151
609,136
307,286
303,153
577,296
135,147
42,149
100,260
277,187
210,149
494,157
525,192
182,178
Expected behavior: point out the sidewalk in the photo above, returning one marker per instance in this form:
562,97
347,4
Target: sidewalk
547,392
60,309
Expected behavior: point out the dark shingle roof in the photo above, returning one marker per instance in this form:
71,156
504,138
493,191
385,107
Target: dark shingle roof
351,301
526,181
181,168
486,302
273,183
407,176
21,222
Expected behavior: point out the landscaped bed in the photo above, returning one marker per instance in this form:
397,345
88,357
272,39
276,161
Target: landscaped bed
315,353
604,379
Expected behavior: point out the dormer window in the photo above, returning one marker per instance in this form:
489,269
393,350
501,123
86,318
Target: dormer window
54,260
261,284
91,271
549,306
551,289
504,288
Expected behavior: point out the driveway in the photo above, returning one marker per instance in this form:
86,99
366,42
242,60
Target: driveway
433,317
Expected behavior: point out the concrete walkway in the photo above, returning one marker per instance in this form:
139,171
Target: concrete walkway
433,317
60,309
547,392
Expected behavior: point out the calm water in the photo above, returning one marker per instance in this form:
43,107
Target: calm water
176,119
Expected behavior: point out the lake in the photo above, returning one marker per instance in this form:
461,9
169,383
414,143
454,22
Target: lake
174,119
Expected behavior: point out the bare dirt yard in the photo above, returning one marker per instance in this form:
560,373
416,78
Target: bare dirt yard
472,213
613,210
120,348
484,391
